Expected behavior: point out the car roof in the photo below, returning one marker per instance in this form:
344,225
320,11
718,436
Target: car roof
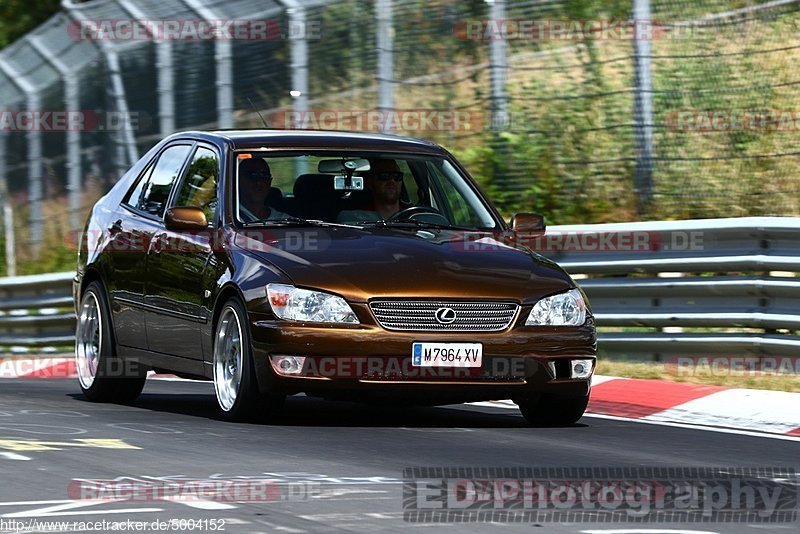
258,138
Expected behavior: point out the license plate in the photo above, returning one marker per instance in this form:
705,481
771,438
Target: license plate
446,354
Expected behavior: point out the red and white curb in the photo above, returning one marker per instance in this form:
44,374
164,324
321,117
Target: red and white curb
657,401
774,412
744,411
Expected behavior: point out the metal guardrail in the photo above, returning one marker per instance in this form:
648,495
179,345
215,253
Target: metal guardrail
720,278
717,278
36,311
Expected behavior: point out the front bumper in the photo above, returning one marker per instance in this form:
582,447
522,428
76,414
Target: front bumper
367,360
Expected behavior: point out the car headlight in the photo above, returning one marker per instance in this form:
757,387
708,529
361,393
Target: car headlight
295,304
564,309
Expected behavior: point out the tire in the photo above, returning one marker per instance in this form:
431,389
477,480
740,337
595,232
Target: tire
102,376
552,410
235,384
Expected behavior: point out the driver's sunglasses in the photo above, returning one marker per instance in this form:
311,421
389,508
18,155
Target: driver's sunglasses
259,175
385,176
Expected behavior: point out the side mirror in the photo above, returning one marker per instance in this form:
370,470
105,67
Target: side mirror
528,222
182,219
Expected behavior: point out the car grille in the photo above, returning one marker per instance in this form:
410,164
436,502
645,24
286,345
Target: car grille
420,315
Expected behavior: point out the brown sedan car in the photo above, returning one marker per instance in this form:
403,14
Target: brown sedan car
354,266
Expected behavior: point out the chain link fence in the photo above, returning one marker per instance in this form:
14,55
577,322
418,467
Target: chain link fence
583,110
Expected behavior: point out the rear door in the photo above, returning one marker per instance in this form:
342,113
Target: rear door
176,261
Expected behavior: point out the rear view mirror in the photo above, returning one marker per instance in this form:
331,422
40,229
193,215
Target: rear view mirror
183,219
339,166
528,223
356,183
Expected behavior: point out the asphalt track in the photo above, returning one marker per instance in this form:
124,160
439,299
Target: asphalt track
347,458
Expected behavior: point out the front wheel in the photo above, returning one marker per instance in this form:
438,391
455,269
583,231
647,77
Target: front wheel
235,384
553,410
103,377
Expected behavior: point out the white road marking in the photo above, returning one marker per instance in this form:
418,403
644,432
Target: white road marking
647,531
653,421
204,505
599,379
32,503
339,492
145,428
689,426
235,521
376,515
65,413
494,404
43,430
62,509
13,456
84,512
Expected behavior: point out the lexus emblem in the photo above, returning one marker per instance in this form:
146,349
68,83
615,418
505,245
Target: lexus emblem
445,315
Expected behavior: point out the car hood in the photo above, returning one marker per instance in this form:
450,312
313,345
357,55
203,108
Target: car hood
361,264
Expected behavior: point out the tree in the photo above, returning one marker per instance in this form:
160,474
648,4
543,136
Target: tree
18,17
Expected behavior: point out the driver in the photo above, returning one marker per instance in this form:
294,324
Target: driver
255,180
384,181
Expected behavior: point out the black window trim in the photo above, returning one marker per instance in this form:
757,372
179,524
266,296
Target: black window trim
191,143
185,169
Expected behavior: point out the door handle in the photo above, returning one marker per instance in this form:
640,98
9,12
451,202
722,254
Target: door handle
155,244
116,227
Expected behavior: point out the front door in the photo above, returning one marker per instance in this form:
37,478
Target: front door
176,262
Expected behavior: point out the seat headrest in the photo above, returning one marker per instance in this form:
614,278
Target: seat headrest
309,186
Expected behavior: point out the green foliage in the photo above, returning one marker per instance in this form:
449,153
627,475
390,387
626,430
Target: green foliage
3,255
53,259
17,17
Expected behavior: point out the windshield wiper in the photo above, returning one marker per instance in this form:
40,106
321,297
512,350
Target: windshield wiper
413,223
297,221
284,221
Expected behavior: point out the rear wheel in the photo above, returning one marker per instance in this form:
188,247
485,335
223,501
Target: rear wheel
103,377
553,410
235,384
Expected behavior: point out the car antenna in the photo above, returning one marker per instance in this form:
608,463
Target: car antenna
266,124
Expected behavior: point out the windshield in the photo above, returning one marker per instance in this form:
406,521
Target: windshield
355,189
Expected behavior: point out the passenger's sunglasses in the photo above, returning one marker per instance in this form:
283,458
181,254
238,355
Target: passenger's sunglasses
386,176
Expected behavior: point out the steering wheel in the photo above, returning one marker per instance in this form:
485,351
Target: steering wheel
409,212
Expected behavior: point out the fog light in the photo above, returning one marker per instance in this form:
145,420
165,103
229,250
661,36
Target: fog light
582,368
287,365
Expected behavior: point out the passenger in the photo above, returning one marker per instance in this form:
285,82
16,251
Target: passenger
255,180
